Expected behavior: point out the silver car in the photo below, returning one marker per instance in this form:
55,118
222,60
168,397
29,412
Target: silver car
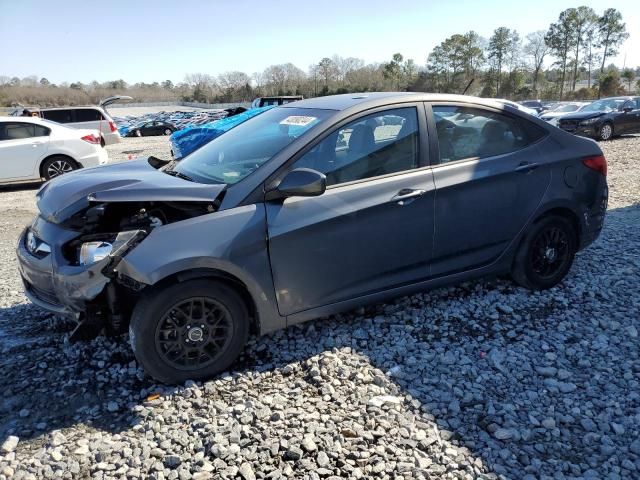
309,209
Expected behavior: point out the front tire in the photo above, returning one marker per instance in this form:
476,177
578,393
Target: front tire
191,330
545,254
57,165
606,132
167,131
138,133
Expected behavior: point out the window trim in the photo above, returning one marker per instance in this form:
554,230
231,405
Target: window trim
435,143
423,145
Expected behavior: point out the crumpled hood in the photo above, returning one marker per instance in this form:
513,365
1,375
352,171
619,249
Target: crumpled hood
582,115
132,181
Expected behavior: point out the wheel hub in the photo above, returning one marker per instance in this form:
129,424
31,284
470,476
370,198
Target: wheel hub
195,334
551,254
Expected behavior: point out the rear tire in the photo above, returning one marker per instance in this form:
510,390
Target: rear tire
138,133
545,254
606,132
191,330
167,131
57,165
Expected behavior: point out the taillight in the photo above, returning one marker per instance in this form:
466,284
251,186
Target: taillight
91,138
112,126
598,163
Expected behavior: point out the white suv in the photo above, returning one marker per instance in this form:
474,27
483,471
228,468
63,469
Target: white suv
32,148
95,118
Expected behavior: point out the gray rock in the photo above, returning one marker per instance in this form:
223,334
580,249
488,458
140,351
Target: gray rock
322,460
10,444
246,471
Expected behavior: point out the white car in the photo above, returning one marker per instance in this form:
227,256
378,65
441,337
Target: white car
33,149
93,117
562,109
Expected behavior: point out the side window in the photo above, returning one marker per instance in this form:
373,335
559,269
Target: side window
377,144
60,116
17,131
465,132
41,131
88,115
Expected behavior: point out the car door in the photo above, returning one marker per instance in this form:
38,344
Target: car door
371,230
489,181
22,146
628,120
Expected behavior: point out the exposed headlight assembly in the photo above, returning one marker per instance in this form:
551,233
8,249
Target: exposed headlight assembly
92,252
589,121
97,250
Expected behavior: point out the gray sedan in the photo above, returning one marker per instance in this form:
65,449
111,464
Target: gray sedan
309,209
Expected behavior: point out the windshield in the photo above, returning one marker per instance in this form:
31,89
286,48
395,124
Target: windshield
231,157
610,105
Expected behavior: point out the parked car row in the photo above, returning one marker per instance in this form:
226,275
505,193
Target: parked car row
287,217
600,119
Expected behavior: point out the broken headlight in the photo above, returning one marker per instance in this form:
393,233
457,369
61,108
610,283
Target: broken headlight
92,252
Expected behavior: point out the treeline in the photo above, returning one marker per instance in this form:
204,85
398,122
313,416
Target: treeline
571,59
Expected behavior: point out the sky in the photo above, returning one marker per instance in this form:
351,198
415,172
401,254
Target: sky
146,41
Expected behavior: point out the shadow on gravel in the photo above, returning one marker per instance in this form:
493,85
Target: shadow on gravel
517,382
16,187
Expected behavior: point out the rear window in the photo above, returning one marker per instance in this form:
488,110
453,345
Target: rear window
88,115
60,116
465,132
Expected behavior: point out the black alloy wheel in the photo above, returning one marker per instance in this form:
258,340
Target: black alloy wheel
193,333
189,330
545,253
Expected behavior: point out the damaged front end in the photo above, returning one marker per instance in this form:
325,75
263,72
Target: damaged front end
69,257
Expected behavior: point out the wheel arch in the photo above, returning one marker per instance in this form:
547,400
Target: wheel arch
222,276
565,212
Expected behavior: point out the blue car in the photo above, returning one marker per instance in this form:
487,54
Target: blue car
189,139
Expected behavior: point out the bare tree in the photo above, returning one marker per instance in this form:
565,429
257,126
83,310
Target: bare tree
536,49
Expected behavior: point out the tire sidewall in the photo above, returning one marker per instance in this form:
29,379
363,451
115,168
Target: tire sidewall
150,309
523,272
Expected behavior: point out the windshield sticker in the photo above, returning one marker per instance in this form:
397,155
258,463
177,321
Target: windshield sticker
298,120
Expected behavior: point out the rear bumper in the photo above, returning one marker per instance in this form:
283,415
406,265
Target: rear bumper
111,138
593,220
97,158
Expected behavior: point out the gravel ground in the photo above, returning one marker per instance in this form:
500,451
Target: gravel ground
481,380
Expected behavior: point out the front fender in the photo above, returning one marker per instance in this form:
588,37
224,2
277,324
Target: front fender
230,241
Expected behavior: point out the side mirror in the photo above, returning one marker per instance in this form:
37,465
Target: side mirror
301,182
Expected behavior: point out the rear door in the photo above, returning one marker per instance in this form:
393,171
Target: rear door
489,181
373,227
22,146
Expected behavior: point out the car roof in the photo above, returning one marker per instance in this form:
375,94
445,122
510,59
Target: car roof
373,99
23,119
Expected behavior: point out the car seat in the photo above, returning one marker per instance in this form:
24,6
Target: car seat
494,140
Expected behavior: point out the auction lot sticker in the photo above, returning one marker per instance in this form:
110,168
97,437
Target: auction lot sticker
298,120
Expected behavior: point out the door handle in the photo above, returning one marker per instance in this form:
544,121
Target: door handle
407,194
527,167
